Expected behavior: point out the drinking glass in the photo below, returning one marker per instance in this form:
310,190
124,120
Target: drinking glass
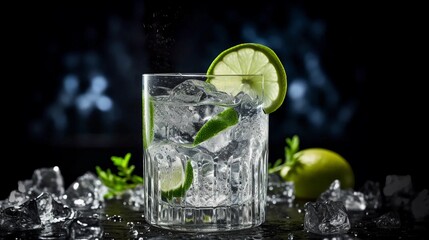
205,153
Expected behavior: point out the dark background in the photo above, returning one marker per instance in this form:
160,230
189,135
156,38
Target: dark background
72,79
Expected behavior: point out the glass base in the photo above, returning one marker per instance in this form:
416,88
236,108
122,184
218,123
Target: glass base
225,218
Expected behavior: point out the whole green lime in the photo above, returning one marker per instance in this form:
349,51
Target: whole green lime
315,170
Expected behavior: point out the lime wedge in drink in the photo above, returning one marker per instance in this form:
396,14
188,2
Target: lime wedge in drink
251,58
220,122
147,122
174,181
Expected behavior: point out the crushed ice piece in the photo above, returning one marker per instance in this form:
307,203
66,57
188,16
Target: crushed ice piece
396,184
47,180
114,218
24,186
372,193
41,204
420,205
35,213
352,200
15,198
87,192
19,218
54,231
134,197
86,228
398,191
326,217
333,193
51,211
279,190
388,220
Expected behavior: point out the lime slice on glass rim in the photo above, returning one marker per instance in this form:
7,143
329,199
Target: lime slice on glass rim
174,181
247,62
251,58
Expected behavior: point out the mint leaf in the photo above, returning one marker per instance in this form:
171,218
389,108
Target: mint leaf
123,180
291,156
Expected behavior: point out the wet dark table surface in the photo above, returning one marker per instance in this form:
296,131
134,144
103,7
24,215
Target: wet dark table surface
283,221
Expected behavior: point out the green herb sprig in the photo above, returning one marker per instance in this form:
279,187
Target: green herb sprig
123,180
291,156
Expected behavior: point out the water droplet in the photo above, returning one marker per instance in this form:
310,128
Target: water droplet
133,233
115,218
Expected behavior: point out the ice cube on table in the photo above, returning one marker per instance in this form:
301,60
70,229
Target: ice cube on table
43,180
35,213
47,212
397,184
87,192
398,191
54,231
388,220
372,194
48,180
15,198
24,186
22,217
279,190
134,197
352,200
326,217
86,228
51,211
420,205
333,193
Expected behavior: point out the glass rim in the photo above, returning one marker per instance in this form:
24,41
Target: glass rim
200,75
